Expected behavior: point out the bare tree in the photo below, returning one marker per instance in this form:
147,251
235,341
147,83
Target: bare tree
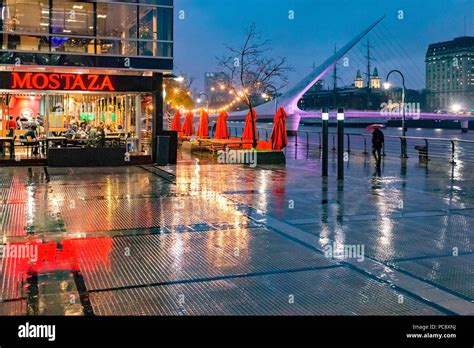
189,80
253,70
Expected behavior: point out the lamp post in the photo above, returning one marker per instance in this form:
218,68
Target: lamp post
199,100
387,85
325,119
274,93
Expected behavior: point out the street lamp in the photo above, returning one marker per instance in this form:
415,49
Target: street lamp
456,108
387,85
199,100
274,94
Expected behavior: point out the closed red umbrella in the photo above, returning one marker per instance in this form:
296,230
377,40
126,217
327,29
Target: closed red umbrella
203,129
188,127
176,123
247,134
279,137
222,132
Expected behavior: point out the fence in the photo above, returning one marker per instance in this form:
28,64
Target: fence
426,148
307,144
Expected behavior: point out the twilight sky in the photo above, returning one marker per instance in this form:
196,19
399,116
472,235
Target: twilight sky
317,26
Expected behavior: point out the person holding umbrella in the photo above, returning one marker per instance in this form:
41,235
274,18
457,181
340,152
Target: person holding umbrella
378,140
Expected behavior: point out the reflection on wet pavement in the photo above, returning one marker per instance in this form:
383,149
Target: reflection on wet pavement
203,238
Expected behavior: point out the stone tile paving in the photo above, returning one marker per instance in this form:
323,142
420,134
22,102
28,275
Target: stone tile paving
202,238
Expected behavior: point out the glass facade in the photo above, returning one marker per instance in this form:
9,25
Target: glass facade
118,28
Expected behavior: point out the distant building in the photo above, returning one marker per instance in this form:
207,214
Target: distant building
348,97
216,86
450,74
375,80
359,81
356,96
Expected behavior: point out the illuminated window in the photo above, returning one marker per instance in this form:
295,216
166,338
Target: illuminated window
72,17
28,16
21,17
117,20
119,23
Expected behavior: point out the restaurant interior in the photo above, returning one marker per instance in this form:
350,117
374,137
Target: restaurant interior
32,123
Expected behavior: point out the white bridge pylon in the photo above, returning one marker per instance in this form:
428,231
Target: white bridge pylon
289,100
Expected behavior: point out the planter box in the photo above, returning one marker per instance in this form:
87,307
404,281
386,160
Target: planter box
271,157
86,157
251,158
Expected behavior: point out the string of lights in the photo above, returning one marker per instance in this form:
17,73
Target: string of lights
238,98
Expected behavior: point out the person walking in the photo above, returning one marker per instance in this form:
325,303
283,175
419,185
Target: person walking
378,140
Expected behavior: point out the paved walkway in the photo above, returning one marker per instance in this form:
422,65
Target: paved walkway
205,238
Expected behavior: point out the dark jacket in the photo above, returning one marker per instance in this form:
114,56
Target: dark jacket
377,139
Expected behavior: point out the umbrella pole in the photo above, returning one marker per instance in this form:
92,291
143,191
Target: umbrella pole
254,135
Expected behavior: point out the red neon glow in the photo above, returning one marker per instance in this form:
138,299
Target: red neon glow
72,82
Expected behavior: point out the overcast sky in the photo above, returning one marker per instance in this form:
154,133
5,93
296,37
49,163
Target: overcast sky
400,42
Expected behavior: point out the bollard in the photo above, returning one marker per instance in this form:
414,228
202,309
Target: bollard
325,119
340,144
307,144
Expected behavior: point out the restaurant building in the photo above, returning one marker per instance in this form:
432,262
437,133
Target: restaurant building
95,64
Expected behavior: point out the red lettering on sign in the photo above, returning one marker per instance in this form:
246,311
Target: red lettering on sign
78,83
40,81
72,82
107,83
68,78
54,81
20,83
93,85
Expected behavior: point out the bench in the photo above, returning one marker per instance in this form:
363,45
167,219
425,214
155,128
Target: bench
422,153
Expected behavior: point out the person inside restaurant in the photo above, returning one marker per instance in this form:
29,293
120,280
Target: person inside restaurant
11,126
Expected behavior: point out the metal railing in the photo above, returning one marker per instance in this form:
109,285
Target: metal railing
426,148
308,144
236,132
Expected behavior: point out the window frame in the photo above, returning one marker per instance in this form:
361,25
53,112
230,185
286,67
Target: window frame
95,38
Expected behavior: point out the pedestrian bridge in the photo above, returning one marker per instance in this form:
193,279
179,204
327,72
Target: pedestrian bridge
289,100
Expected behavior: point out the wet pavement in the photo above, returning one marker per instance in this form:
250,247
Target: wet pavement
205,238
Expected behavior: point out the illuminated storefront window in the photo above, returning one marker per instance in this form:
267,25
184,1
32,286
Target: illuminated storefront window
75,108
